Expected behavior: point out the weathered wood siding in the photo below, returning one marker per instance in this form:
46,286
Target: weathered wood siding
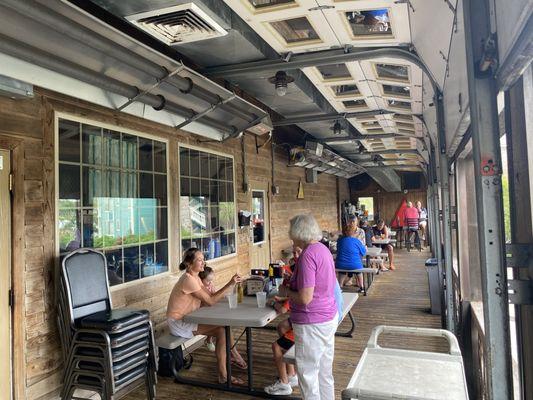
31,122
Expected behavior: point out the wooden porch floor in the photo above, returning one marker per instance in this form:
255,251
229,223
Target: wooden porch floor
396,298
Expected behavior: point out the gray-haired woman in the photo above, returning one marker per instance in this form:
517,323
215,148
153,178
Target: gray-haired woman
313,310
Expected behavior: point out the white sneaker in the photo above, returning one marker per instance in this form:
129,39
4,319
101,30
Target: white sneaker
279,388
293,380
210,346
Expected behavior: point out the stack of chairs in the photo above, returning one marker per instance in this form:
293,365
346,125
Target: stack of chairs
107,351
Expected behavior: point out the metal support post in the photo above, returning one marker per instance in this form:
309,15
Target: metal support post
446,220
480,48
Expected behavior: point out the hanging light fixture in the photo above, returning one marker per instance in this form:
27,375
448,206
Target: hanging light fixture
280,82
337,128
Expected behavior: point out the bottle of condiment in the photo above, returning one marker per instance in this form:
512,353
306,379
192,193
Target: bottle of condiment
240,292
271,272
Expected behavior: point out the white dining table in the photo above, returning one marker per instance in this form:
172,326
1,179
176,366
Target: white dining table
373,251
248,315
381,241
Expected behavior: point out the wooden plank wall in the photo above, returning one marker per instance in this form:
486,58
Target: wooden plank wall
386,203
31,122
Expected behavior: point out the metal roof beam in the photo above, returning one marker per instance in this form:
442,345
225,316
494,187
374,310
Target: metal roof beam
388,151
319,58
299,119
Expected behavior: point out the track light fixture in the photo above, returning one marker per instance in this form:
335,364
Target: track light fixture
280,82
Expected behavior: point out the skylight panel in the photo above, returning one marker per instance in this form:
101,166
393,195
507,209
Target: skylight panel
361,103
404,105
394,90
393,72
345,90
295,30
369,22
334,71
264,4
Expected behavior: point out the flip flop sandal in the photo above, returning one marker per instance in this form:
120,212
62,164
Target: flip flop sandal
234,381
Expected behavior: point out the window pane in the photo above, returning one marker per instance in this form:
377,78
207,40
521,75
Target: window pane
213,166
229,192
131,263
185,187
146,185
369,22
161,256
111,182
69,141
394,90
114,266
145,155
147,222
92,185
90,229
160,157
184,162
204,165
129,151
399,104
214,218
194,163
229,169
227,216
129,221
160,183
161,223
111,144
108,211
258,215
91,144
128,182
186,244
148,260
227,243
69,229
69,186
295,30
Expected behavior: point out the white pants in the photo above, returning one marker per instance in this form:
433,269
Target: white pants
314,351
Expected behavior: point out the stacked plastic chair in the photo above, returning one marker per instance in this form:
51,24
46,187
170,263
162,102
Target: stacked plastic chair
107,351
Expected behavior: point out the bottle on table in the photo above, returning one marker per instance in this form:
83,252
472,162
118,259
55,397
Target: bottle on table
240,292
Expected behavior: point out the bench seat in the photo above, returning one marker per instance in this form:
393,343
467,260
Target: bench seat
168,341
349,300
368,275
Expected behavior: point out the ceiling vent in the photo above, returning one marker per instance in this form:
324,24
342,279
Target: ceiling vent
184,23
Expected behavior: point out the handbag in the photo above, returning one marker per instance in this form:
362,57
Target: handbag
171,361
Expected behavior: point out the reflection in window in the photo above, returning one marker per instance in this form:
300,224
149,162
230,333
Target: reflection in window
113,197
258,215
369,23
394,72
295,30
207,204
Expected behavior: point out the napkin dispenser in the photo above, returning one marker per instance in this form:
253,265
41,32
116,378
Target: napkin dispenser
256,284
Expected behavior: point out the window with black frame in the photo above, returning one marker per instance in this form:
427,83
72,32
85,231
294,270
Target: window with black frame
207,203
113,197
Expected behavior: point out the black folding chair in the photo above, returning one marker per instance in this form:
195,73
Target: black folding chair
107,351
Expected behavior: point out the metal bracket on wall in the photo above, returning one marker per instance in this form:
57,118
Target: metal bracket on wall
203,113
152,87
441,215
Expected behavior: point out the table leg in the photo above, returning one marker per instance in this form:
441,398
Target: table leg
249,356
228,356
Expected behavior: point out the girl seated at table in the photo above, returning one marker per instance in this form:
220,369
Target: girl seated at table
381,231
350,253
187,296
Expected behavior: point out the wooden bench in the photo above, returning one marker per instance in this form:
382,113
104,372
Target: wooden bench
170,342
349,300
368,276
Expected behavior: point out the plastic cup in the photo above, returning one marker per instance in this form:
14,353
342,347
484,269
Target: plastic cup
232,300
278,281
261,299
